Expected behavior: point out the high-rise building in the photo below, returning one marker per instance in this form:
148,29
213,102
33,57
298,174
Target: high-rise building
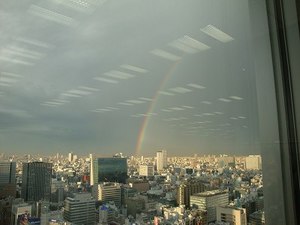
232,215
80,209
253,162
109,170
146,170
107,192
161,160
36,181
7,179
92,182
208,201
70,156
185,190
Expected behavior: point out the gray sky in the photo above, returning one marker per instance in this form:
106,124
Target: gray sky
83,76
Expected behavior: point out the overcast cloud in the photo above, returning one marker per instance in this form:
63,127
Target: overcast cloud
80,77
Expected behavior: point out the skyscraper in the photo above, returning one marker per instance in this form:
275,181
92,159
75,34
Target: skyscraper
36,181
161,160
92,182
7,179
109,170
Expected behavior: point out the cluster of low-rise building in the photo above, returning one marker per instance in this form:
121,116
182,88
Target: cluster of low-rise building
207,190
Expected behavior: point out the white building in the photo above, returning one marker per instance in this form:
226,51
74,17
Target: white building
80,209
146,170
161,160
18,209
231,215
253,162
107,192
208,201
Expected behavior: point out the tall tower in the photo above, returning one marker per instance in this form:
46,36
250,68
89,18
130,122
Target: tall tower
70,156
92,180
161,160
36,181
7,179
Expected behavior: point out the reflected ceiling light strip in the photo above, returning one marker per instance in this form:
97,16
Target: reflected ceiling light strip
96,2
45,104
188,107
133,68
196,86
125,103
33,54
217,33
165,55
193,43
236,97
7,80
54,103
180,46
135,101
180,90
88,88
112,108
166,110
146,99
71,95
118,74
50,15
206,102
11,74
106,80
61,100
78,5
224,100
177,109
25,55
166,93
79,92
4,84
16,61
208,114
218,113
33,42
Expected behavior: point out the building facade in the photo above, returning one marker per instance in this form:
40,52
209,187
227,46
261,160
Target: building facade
109,170
231,215
107,192
7,179
253,162
185,190
80,209
208,201
36,181
146,170
161,160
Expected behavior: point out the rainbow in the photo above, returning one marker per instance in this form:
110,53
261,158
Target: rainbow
143,128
